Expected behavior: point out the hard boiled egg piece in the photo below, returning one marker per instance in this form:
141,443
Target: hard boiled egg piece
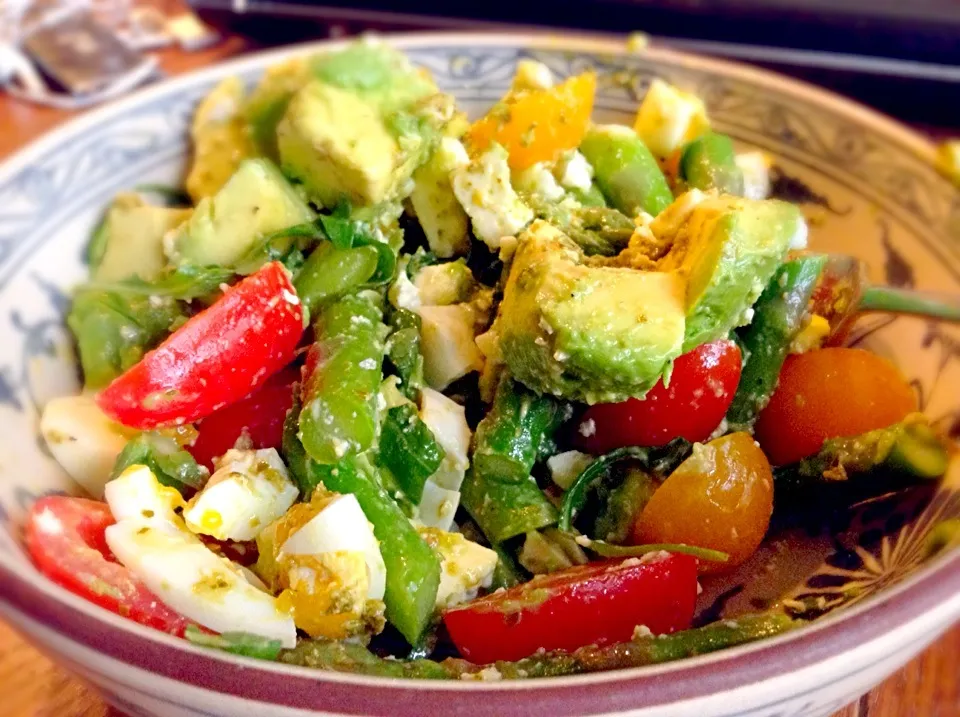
465,566
248,491
83,440
341,526
197,583
136,493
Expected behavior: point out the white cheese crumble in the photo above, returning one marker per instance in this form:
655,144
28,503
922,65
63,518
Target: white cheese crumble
588,428
574,171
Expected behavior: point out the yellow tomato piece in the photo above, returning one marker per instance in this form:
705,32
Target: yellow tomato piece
721,498
537,125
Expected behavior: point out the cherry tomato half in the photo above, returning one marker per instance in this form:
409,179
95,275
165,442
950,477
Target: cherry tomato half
65,538
721,498
830,393
216,358
600,603
701,389
260,416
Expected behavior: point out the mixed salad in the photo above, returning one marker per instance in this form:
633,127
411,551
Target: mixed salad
390,392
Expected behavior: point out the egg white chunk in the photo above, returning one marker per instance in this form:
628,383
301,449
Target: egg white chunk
84,441
137,494
448,422
437,506
342,527
153,542
465,566
196,582
248,491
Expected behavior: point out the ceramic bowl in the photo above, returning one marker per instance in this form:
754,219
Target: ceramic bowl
868,188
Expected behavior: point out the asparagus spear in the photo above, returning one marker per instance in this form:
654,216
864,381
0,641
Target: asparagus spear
844,292
778,316
647,650
625,170
330,273
341,381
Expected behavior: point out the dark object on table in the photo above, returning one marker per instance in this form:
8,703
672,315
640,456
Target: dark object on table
900,57
81,55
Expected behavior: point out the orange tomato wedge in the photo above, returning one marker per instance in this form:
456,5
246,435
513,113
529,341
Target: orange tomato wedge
537,125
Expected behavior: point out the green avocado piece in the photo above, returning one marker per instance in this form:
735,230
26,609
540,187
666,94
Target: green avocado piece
586,333
134,238
377,73
725,249
257,200
265,106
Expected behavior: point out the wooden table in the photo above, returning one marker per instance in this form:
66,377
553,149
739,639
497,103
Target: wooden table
33,686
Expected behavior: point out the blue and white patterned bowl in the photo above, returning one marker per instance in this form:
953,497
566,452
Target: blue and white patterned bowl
869,189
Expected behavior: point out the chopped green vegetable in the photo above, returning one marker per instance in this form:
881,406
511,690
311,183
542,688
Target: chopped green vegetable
409,450
237,643
641,651
172,465
625,170
608,550
910,448
330,273
184,282
709,162
659,462
115,329
509,437
403,356
623,504
342,379
778,317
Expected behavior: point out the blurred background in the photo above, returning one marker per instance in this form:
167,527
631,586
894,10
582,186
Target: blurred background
900,57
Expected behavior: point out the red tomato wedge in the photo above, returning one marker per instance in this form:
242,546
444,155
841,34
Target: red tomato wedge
596,604
701,389
65,538
216,358
260,416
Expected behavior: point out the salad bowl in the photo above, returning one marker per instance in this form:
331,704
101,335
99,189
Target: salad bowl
873,578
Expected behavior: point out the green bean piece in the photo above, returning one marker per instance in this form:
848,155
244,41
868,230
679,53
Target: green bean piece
505,509
413,568
330,273
342,379
659,462
409,450
115,329
237,643
591,197
172,465
910,448
653,650
623,504
509,437
625,170
357,659
778,317
609,550
599,231
709,162
641,651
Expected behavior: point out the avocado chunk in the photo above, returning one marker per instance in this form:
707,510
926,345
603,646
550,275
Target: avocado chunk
725,249
375,72
256,201
444,222
586,333
339,146
134,238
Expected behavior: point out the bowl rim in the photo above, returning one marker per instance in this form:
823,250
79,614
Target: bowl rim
930,588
